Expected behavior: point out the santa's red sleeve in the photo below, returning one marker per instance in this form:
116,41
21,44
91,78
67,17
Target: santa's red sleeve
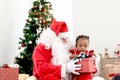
43,68
72,51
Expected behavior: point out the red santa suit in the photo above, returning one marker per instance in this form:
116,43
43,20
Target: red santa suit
49,56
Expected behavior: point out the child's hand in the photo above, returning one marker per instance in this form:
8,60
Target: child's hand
73,56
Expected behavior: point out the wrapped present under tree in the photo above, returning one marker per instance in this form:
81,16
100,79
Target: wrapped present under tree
9,73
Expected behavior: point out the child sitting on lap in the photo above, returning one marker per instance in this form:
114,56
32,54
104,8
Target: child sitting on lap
82,44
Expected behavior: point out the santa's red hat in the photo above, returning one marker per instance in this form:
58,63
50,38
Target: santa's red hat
59,28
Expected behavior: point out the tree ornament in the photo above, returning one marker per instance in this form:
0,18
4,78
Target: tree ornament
26,28
35,12
30,42
47,13
24,31
42,9
40,6
44,22
39,33
21,56
30,19
27,20
41,18
36,19
19,47
29,12
50,5
45,10
23,45
34,7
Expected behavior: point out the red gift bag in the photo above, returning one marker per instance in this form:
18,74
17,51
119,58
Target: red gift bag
87,65
9,73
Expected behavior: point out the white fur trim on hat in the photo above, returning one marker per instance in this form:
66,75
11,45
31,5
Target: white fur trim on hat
64,35
47,38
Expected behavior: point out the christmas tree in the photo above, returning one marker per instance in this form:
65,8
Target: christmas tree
39,19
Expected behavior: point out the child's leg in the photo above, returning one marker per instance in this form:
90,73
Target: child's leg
75,78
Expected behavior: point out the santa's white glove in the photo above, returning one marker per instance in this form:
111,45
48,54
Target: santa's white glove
72,67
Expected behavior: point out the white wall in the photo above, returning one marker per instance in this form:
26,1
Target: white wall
1,40
12,20
100,19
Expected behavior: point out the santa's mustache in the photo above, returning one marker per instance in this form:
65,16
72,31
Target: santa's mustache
68,44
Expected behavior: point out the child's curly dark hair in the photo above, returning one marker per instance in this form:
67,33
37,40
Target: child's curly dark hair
82,37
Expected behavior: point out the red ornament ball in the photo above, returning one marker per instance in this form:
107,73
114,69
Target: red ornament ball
23,45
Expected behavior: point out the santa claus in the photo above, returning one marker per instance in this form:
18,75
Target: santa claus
51,55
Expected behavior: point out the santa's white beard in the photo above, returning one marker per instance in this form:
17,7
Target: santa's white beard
60,51
68,44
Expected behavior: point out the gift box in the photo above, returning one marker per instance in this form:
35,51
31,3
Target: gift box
111,70
9,73
23,76
87,65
